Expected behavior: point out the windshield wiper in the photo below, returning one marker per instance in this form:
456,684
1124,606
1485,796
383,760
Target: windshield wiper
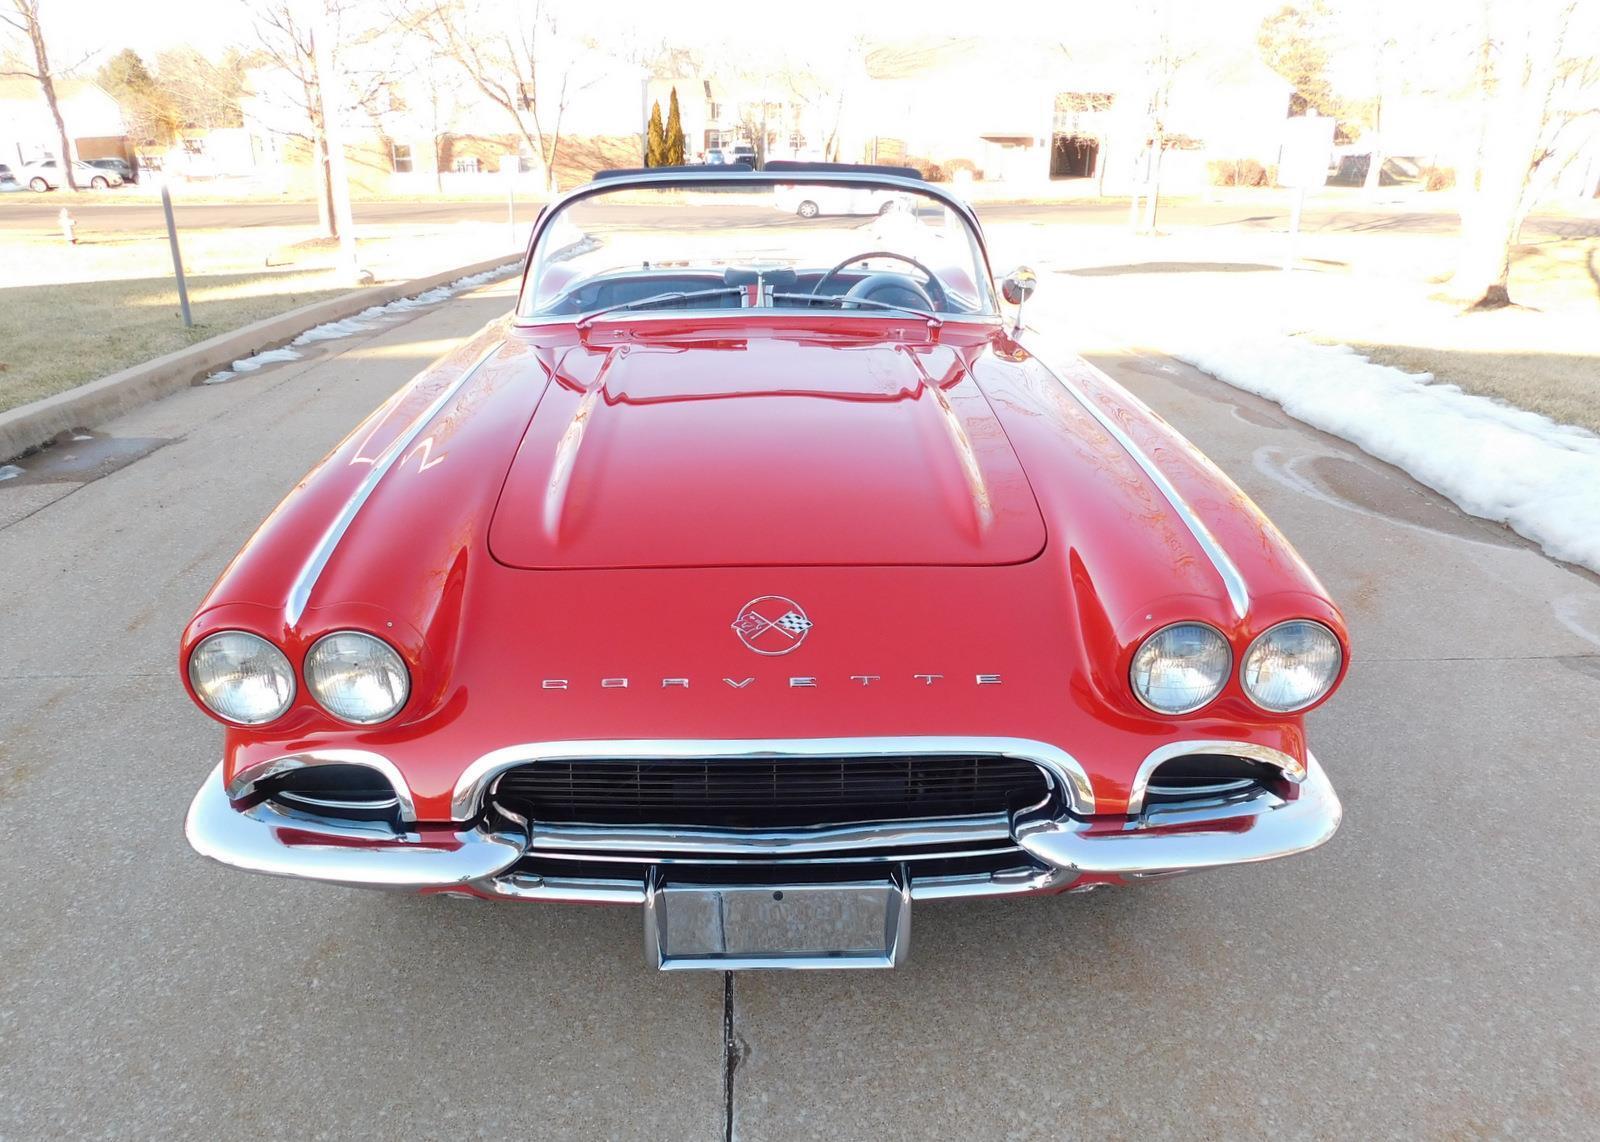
838,300
584,320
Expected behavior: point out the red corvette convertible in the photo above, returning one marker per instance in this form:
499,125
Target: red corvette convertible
755,570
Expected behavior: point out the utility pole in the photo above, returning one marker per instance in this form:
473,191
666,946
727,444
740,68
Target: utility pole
329,88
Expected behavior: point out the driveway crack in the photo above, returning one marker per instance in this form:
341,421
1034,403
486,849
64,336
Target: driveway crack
734,1051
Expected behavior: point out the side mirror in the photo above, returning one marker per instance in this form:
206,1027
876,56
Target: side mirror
1017,288
1019,285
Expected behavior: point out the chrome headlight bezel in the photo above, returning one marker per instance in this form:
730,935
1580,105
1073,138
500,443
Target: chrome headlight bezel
387,660
1222,675
203,688
1263,639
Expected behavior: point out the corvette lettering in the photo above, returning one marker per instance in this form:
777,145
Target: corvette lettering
794,681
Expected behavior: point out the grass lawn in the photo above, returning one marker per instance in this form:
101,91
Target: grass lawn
1542,354
71,314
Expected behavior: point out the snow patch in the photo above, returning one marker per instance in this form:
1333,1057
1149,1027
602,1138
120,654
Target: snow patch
265,357
358,323
1493,460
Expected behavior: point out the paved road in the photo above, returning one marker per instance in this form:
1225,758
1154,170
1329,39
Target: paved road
1430,973
1338,213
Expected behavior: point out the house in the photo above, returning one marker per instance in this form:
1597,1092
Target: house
95,126
1032,112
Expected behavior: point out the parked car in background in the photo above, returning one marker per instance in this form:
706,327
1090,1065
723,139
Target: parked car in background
1350,169
8,181
743,153
124,169
761,576
814,199
46,175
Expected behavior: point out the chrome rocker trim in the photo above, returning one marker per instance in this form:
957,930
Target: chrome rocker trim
1228,828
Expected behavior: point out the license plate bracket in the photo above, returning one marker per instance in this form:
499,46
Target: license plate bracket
726,927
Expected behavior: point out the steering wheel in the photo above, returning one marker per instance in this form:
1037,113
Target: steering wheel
934,292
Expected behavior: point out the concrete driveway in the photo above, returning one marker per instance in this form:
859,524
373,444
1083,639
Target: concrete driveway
1432,972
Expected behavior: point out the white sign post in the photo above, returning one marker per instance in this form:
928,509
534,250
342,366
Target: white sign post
508,168
1302,164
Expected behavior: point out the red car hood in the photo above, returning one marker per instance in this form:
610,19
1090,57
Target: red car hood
769,451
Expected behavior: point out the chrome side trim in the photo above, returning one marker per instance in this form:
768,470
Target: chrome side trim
1232,580
300,591
1291,769
467,799
245,781
663,839
268,839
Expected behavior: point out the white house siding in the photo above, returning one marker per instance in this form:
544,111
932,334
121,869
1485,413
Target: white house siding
28,131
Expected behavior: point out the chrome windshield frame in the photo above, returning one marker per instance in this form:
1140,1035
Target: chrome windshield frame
667,179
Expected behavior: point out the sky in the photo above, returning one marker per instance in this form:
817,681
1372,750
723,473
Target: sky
77,28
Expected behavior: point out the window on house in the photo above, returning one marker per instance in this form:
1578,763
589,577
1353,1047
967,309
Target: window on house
467,166
401,158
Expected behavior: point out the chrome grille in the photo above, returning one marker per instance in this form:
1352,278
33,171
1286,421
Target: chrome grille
768,793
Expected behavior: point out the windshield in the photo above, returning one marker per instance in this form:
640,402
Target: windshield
866,248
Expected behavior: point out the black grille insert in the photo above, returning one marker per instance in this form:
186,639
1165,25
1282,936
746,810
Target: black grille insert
1200,776
768,793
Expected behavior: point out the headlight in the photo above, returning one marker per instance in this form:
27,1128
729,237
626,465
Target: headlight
357,678
1291,666
241,677
1181,667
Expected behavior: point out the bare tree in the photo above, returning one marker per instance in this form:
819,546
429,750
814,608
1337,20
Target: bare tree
820,88
290,45
1165,56
1537,98
286,34
440,96
25,20
517,57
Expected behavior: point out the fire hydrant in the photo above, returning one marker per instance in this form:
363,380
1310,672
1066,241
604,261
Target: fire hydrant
69,226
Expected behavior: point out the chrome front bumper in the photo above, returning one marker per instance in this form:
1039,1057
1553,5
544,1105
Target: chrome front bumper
1058,854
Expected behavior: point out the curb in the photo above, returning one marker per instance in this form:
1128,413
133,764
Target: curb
28,426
